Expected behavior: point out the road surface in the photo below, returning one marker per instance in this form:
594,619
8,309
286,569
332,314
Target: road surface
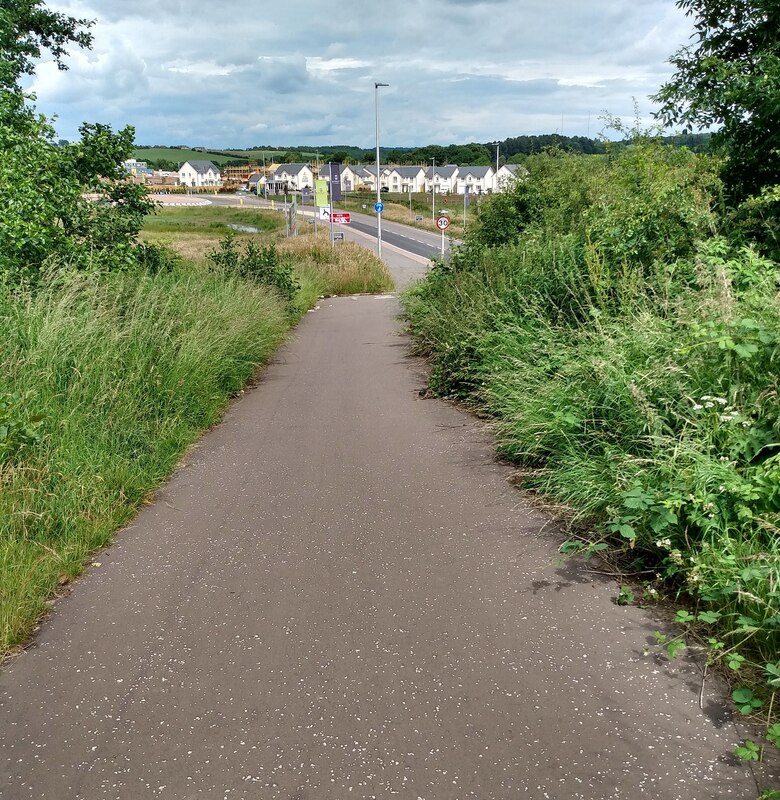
405,237
340,595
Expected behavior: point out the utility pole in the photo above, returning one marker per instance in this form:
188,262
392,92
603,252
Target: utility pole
377,86
433,192
330,201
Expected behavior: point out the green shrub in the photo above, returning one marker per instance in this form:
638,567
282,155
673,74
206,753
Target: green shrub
259,263
628,359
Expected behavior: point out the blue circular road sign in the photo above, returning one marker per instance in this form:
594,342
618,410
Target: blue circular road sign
379,207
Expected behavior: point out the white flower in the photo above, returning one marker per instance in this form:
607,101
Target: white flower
697,407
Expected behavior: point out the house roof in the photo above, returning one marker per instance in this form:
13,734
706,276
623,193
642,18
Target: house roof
444,172
408,172
255,177
370,169
515,169
475,172
325,170
292,169
202,167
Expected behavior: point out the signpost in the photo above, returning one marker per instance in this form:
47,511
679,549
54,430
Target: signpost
320,199
379,207
442,223
341,218
334,174
321,192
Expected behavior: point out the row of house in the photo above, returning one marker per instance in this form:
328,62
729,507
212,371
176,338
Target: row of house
447,179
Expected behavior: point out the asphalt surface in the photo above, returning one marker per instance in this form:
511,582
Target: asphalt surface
340,595
405,237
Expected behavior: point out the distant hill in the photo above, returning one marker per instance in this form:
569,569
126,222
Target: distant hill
474,154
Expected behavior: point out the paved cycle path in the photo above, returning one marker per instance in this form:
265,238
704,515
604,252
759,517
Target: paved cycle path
339,595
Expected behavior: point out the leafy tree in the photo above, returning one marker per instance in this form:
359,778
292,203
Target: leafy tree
45,218
730,77
26,29
164,164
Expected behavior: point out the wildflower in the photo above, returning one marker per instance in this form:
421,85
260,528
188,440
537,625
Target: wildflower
709,404
666,543
697,407
676,557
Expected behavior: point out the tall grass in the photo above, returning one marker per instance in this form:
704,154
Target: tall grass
106,379
346,268
634,377
125,371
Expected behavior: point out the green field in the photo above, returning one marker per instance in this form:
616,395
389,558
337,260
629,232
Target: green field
219,157
179,156
209,221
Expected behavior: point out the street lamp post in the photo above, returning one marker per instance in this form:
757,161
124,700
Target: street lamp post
377,86
495,180
433,191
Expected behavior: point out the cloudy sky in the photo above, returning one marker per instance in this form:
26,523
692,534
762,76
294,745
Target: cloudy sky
235,73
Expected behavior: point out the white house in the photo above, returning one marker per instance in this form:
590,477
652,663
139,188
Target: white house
406,179
478,180
134,167
295,176
442,180
367,175
508,173
199,173
256,183
351,177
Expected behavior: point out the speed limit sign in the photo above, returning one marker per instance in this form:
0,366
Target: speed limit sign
442,223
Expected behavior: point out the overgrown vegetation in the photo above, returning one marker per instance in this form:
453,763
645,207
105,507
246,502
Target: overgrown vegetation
623,334
116,352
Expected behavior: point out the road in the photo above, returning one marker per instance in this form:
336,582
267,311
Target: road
404,237
339,594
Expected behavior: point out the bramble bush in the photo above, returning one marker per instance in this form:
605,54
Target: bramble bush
629,356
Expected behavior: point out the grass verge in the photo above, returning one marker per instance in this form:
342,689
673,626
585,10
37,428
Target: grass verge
107,379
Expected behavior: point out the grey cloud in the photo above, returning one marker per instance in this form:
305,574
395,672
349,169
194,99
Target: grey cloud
216,73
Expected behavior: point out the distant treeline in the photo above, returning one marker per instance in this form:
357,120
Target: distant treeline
511,150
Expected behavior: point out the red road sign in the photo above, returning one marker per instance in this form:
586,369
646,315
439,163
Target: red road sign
340,219
443,223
